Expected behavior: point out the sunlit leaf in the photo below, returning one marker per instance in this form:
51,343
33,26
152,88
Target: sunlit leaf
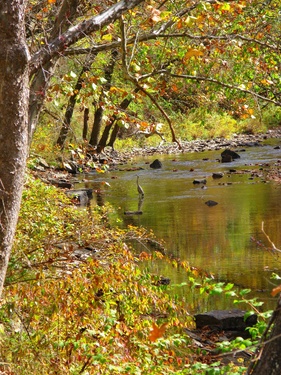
107,37
193,53
157,332
100,170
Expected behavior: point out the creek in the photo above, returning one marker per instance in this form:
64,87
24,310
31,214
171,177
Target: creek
226,240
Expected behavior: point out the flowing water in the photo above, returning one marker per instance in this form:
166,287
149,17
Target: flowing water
225,240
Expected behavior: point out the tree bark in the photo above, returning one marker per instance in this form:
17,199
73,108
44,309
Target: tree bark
113,136
97,124
102,143
40,79
268,359
14,94
85,123
16,68
108,71
72,101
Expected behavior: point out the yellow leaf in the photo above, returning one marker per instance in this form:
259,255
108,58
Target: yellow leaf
158,255
99,170
266,82
193,53
107,37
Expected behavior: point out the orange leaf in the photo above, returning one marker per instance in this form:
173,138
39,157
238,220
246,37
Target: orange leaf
193,52
179,24
144,255
174,88
157,331
52,1
99,170
276,291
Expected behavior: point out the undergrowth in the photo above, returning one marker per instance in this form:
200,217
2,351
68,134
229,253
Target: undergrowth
201,122
64,314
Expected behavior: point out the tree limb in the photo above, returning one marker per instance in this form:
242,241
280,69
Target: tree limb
135,81
79,31
227,85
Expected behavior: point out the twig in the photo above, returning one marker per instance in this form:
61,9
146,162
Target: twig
268,238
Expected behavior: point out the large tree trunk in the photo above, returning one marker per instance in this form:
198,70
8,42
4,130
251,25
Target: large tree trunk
268,355
14,94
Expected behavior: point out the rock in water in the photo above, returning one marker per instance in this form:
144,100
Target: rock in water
217,175
211,203
229,155
202,181
156,164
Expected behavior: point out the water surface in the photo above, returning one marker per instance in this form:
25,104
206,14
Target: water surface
226,240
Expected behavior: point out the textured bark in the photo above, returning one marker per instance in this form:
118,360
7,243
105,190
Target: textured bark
108,71
14,95
102,143
43,62
41,77
268,356
72,102
15,70
85,123
113,136
96,125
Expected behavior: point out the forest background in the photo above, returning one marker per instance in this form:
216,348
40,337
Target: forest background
181,70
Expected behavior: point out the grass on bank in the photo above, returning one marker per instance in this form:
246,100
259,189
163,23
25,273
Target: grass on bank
103,315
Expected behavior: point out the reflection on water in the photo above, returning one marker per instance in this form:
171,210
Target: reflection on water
225,240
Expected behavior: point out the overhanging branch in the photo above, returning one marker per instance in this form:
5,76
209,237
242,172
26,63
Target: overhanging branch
215,81
75,33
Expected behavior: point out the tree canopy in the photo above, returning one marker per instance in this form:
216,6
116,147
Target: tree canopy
166,51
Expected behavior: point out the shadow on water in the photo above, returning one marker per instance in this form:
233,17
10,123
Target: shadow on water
225,240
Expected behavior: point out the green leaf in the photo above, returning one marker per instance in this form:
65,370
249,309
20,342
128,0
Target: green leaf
231,293
244,292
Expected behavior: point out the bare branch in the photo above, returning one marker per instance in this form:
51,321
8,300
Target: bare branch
135,81
154,101
227,85
268,238
155,35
